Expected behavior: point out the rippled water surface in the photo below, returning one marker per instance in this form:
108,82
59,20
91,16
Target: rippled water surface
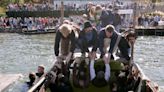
149,54
23,53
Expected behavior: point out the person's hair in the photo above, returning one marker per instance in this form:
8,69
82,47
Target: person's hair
65,29
98,7
131,33
87,24
32,76
61,78
100,75
41,66
109,28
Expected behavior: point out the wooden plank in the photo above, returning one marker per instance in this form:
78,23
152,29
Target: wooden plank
7,79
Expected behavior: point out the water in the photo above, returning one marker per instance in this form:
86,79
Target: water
23,53
149,54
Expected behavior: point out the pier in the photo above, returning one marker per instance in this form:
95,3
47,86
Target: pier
150,31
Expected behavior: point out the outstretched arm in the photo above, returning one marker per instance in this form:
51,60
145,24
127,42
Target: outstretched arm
107,68
107,72
92,70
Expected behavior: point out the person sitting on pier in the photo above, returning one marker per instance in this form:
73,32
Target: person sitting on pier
30,83
99,78
66,36
80,74
87,38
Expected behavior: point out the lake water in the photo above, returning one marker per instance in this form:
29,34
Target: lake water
23,53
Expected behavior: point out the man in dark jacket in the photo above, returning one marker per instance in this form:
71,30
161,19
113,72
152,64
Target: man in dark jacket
107,33
123,43
88,38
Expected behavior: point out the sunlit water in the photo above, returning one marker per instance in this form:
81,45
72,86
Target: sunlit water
23,53
149,54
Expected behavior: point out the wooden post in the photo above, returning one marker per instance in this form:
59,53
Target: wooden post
62,12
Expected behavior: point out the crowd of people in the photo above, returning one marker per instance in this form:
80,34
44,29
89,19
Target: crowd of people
150,20
109,10
45,6
30,23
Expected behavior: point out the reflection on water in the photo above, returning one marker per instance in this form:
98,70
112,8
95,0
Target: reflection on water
23,53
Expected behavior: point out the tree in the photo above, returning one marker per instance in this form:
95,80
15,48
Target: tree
4,3
155,1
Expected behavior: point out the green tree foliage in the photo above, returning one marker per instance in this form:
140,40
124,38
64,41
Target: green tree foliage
4,3
155,1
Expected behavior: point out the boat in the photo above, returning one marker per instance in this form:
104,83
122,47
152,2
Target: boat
9,30
26,31
145,84
33,32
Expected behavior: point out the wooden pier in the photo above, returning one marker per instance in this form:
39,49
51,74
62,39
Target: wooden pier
151,31
7,79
